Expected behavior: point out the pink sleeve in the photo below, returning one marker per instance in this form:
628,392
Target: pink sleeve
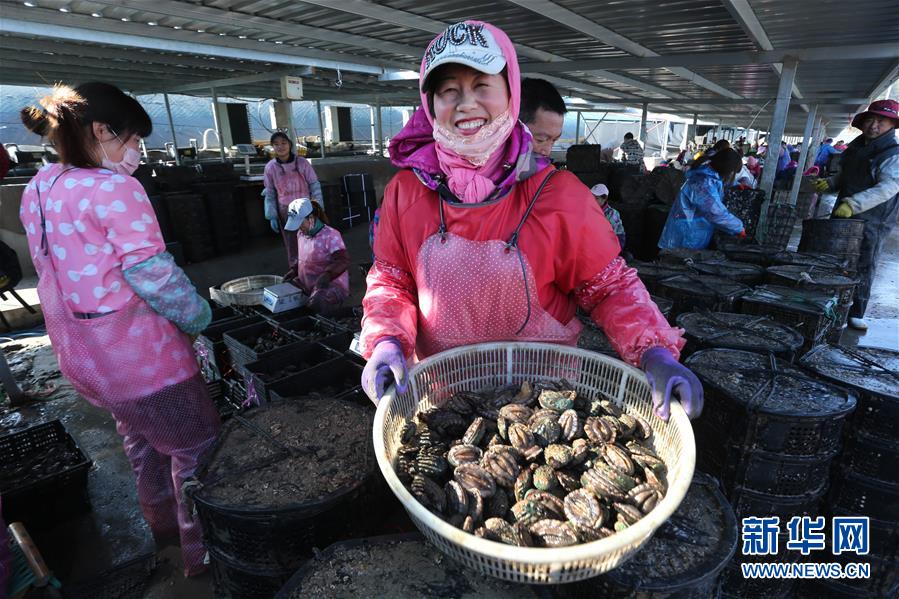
620,305
130,223
267,179
391,300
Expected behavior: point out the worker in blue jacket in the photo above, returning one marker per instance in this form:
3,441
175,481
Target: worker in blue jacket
699,208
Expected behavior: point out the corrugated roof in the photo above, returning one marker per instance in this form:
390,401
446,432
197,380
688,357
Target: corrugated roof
167,44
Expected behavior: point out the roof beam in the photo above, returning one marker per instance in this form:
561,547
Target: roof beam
746,17
578,23
241,80
206,14
711,59
412,21
891,74
70,27
92,51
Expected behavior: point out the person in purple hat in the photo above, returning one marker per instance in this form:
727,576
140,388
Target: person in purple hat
868,188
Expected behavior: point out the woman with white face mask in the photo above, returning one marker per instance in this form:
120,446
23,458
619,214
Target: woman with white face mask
120,314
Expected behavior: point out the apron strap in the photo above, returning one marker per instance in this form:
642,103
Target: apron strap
45,246
513,240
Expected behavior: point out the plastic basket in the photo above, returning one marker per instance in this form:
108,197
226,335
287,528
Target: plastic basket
651,273
348,318
864,495
741,272
125,581
233,582
823,261
641,578
810,313
883,535
766,472
453,572
811,277
692,292
245,291
734,586
263,375
870,373
763,403
43,500
748,503
272,540
685,257
872,457
705,330
750,253
435,379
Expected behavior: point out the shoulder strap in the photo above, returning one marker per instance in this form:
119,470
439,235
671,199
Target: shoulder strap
513,240
37,189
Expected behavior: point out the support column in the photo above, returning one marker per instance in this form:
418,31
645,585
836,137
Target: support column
168,111
778,124
803,153
577,129
643,117
817,137
667,126
372,127
321,126
380,128
218,124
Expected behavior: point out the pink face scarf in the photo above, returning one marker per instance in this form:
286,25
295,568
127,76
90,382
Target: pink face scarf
473,164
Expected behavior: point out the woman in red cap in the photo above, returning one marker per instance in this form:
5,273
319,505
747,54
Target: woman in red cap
480,239
868,188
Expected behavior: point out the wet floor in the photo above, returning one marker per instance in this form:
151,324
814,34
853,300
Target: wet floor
114,533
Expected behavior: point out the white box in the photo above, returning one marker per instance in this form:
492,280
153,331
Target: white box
282,297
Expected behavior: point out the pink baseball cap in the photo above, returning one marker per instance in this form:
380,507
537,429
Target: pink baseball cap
887,108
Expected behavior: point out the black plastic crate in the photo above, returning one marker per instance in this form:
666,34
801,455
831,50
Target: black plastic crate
864,495
347,318
359,182
694,292
584,158
240,342
232,582
748,503
765,472
126,581
871,456
809,313
262,376
212,353
340,378
42,500
763,403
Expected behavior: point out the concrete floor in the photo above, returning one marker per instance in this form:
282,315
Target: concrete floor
114,532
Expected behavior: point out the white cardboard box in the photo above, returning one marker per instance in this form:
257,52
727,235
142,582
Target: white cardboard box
282,297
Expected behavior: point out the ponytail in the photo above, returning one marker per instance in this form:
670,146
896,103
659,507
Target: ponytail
319,213
68,115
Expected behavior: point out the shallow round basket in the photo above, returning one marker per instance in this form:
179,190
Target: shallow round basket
245,291
436,379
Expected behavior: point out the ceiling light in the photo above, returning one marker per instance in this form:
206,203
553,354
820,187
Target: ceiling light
176,27
243,37
261,39
151,23
201,31
96,15
125,19
30,4
64,9
223,34
279,42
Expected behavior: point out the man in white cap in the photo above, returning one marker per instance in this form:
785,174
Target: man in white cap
601,193
322,259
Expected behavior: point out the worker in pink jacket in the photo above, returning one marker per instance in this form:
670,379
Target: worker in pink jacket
120,314
480,239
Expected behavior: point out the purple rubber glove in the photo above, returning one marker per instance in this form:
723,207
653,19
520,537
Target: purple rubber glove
387,359
668,377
